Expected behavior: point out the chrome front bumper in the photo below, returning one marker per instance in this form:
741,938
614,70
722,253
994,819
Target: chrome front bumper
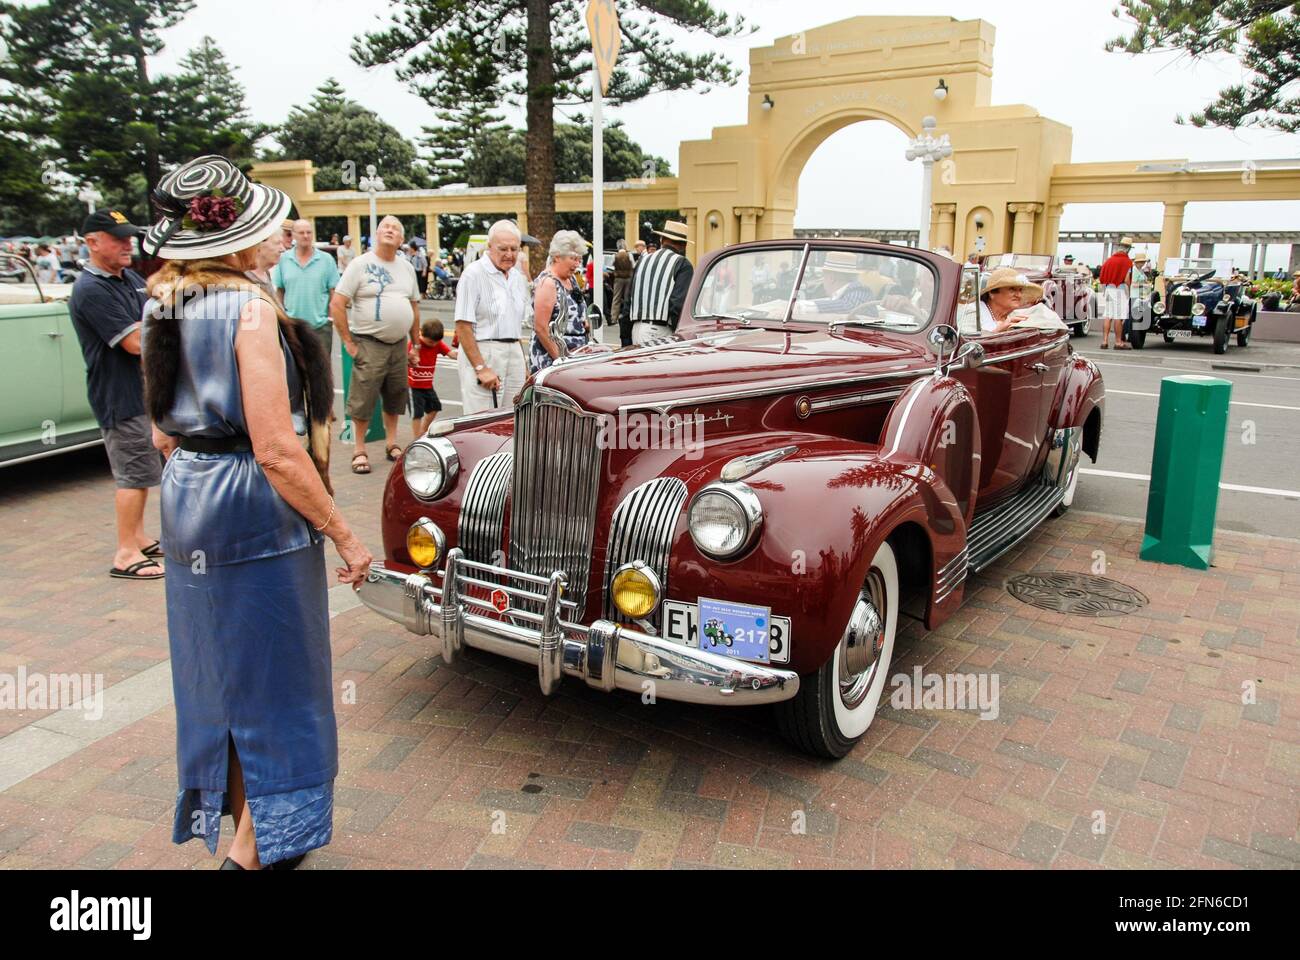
605,655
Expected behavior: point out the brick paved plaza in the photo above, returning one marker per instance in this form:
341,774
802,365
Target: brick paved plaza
1140,717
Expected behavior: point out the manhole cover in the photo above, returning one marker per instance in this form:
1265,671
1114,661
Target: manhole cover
1076,593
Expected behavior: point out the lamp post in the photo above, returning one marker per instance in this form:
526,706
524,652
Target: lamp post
89,196
372,184
927,148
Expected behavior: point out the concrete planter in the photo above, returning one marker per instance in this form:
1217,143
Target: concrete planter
1278,325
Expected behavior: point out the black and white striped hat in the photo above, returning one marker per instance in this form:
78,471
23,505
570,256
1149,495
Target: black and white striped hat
176,236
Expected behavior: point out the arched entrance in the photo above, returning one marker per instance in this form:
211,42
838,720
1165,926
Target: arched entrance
850,172
743,182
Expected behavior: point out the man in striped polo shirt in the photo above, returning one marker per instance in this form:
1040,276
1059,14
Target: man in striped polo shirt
659,286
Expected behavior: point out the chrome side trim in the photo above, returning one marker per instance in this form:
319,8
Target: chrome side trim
854,400
642,529
763,391
481,526
742,467
951,576
1028,352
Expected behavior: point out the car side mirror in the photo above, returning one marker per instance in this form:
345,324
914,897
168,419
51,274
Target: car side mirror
970,356
943,339
595,317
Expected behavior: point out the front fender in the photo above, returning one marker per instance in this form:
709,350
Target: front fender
827,508
1082,394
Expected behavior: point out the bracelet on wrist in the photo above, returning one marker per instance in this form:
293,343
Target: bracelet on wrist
327,519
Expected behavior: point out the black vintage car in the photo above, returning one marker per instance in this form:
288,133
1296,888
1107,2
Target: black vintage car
1203,299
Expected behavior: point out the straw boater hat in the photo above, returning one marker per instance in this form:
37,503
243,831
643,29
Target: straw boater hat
1126,241
209,209
674,230
1010,277
838,261
1140,258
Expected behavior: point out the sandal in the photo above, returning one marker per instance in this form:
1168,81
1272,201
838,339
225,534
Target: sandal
363,466
389,452
154,550
1104,347
133,571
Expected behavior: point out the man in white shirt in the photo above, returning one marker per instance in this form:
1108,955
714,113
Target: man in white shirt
491,304
376,312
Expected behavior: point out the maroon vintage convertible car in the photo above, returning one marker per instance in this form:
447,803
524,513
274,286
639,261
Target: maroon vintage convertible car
737,515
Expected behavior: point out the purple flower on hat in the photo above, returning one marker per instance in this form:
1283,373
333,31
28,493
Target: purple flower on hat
210,213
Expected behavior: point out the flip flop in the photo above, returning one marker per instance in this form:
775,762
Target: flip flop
363,466
389,452
133,571
154,550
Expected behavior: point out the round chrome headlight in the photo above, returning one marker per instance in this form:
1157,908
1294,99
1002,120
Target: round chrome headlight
725,519
1158,309
1198,310
430,467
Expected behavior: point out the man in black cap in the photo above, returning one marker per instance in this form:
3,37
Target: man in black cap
107,307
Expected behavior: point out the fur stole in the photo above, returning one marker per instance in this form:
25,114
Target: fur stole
162,355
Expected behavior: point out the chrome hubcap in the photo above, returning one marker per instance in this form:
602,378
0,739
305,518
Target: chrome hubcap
863,640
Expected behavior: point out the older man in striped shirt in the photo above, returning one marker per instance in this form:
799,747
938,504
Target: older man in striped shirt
659,285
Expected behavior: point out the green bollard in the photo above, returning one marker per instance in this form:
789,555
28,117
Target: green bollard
376,429
1185,469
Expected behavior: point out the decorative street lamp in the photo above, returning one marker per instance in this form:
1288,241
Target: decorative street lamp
927,148
89,196
372,184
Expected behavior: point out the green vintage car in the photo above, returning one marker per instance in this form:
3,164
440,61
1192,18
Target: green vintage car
43,404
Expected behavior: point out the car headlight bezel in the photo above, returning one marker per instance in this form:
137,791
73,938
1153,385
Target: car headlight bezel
430,467
1198,309
748,514
1158,309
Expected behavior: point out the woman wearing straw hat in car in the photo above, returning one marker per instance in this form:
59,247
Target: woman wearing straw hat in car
1006,291
240,396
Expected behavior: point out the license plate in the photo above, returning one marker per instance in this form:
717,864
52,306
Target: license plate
1198,321
1180,334
681,625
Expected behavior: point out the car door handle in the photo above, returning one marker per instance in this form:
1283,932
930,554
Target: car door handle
1042,367
53,333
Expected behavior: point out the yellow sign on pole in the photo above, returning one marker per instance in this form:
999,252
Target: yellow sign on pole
602,24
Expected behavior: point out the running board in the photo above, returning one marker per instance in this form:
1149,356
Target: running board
995,532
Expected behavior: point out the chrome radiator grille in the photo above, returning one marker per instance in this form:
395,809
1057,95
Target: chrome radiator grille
642,529
556,476
481,528
1180,304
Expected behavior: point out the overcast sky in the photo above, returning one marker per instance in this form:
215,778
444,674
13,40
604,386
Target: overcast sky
1120,107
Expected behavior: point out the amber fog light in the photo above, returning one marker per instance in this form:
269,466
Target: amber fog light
425,543
636,590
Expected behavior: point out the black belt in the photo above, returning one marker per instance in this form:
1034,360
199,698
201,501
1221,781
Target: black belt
499,340
367,336
235,444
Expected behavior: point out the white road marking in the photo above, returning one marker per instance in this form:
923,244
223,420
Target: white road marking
1216,373
1237,487
1235,403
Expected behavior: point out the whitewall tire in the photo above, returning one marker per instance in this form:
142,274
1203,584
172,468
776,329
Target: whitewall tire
835,705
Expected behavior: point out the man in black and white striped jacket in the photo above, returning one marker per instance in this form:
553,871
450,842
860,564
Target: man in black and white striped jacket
659,286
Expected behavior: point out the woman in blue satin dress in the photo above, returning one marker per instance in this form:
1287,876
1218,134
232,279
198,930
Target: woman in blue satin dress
240,404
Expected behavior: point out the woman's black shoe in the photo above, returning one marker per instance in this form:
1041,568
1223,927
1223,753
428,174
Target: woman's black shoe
229,864
290,864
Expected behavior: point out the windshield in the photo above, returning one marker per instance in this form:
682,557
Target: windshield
1025,262
837,286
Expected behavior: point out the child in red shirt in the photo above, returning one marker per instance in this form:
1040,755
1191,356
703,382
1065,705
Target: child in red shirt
421,361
